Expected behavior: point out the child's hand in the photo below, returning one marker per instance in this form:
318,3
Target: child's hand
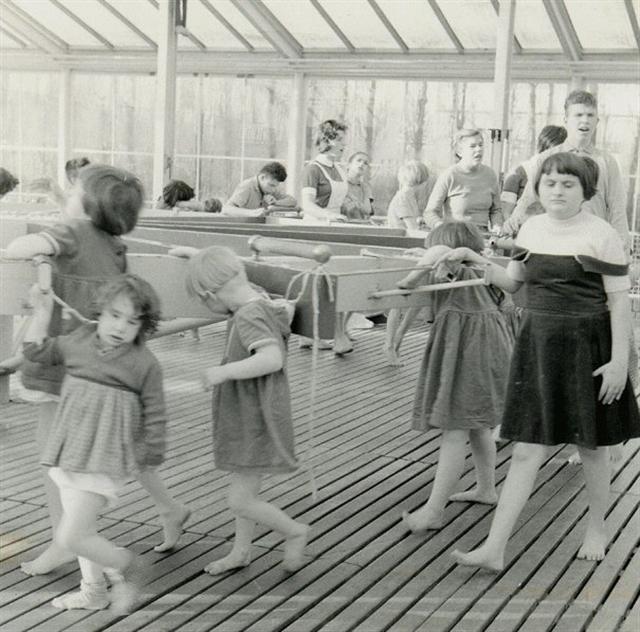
214,376
414,252
185,252
269,200
614,379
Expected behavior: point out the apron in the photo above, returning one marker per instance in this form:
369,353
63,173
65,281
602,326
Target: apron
338,193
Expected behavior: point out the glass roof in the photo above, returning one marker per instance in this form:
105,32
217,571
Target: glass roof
342,26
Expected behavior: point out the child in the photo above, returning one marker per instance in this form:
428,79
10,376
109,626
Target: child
568,381
463,378
403,209
49,186
110,423
358,203
104,204
253,432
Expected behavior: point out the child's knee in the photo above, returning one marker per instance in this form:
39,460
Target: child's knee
238,500
66,537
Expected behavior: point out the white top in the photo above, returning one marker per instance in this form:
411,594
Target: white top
582,234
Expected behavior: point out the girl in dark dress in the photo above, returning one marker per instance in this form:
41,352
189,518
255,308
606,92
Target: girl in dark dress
568,381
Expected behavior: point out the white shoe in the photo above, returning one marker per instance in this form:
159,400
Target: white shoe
359,321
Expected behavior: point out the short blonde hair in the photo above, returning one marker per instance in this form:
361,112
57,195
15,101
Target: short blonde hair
412,173
212,268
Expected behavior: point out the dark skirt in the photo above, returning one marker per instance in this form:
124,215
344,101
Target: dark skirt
552,396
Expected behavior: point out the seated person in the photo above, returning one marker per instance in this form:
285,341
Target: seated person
358,204
8,182
174,192
255,196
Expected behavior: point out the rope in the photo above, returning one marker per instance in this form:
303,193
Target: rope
316,273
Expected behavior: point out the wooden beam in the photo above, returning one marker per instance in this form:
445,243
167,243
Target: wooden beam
267,24
31,29
64,126
333,26
502,82
241,38
387,24
7,33
633,18
164,127
128,23
103,40
296,137
184,31
446,26
516,44
561,22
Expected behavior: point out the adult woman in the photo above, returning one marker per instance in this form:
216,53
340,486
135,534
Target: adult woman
468,190
324,183
357,204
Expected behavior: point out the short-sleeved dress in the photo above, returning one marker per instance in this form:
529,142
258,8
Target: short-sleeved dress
565,334
463,377
85,257
252,426
111,418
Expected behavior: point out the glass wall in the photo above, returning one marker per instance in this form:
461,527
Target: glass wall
226,127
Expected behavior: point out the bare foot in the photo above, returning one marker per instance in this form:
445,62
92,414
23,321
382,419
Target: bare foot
231,562
47,561
342,345
574,459
616,453
172,527
475,496
480,558
421,521
294,546
393,357
593,546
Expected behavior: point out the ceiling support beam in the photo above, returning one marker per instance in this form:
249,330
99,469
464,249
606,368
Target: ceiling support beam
71,15
333,26
12,36
128,23
435,7
562,25
163,145
24,25
266,23
241,38
516,44
502,83
297,134
387,24
633,18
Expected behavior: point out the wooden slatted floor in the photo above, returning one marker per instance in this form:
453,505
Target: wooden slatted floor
365,572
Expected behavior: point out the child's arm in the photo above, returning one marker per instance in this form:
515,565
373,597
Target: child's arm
185,252
28,246
497,275
155,418
614,373
42,303
264,360
428,260
434,213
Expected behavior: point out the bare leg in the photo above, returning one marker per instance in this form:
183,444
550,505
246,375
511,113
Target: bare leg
53,556
483,452
596,473
525,463
246,505
172,514
342,343
450,464
393,322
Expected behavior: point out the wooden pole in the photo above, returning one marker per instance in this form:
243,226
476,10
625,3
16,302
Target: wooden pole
502,82
165,98
64,125
297,135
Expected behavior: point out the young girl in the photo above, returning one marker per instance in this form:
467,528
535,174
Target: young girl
404,211
87,250
109,425
463,378
568,381
358,204
253,432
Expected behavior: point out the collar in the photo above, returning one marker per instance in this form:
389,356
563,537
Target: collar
589,149
259,187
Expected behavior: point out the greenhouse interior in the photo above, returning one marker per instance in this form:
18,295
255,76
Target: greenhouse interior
422,447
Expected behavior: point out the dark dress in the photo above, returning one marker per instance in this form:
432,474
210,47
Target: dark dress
565,334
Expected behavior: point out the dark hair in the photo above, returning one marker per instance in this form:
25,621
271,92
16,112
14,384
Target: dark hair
327,131
582,167
8,182
550,136
275,170
72,167
176,191
212,205
455,234
581,97
143,297
112,198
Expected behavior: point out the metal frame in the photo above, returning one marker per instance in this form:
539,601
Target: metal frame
32,31
446,26
628,4
243,40
562,25
387,24
71,15
130,25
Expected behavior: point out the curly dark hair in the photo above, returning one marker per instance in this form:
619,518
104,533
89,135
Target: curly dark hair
8,182
327,131
176,191
142,296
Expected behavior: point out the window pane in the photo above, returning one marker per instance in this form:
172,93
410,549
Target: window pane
135,112
601,24
208,29
473,21
532,26
218,177
92,111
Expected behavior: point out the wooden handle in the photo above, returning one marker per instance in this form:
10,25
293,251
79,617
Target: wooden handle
271,246
44,272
